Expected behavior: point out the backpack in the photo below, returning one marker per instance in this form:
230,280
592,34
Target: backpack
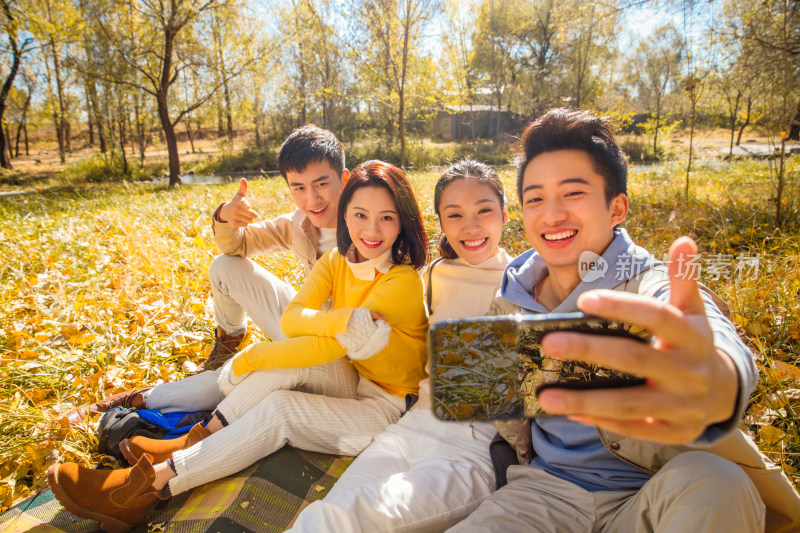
122,423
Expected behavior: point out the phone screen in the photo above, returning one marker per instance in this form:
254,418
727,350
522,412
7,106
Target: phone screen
490,368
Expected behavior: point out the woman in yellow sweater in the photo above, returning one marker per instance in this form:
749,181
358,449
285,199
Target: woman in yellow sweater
423,474
341,376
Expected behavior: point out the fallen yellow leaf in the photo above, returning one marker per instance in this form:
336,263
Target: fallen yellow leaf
785,371
771,436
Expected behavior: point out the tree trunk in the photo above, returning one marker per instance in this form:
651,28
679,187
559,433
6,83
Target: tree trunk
59,134
23,123
496,133
122,132
140,138
96,115
226,96
122,147
133,132
189,132
220,127
61,122
163,110
326,119
734,110
389,129
170,139
779,187
91,114
5,162
794,125
303,97
658,125
691,148
16,143
228,112
256,132
67,134
101,136
746,120
401,131
7,142
16,58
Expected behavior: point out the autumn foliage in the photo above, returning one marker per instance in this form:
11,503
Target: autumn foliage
105,288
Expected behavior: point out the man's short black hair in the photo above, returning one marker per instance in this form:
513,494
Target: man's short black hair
570,129
310,144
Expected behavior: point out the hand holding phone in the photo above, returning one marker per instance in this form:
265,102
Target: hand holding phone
691,383
490,368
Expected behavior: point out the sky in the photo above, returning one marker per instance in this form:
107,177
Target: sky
637,22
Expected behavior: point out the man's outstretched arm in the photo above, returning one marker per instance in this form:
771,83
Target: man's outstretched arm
691,384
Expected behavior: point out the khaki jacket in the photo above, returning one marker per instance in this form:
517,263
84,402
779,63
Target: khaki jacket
292,231
779,495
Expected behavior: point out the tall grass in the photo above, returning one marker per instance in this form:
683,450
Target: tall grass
101,168
249,159
423,153
420,153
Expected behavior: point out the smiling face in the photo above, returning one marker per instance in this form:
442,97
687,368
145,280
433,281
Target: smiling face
316,190
564,208
372,221
472,219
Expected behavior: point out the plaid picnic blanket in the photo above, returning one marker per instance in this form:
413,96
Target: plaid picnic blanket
267,496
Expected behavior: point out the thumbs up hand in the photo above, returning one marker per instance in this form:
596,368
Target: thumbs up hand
237,211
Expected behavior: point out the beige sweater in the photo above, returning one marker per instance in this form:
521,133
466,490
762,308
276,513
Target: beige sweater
292,231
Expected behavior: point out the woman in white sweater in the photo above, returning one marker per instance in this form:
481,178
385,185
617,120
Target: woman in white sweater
423,474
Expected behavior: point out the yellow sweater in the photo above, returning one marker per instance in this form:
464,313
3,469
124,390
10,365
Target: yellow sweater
397,295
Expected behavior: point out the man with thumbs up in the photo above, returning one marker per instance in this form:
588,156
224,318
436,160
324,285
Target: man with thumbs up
311,160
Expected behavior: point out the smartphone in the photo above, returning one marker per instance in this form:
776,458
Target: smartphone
489,368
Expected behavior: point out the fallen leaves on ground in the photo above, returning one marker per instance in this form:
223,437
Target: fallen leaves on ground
105,289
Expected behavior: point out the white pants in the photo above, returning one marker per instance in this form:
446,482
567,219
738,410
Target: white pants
327,409
421,474
694,491
199,392
240,287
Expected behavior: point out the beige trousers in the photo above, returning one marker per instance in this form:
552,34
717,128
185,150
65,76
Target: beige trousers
241,287
328,408
695,491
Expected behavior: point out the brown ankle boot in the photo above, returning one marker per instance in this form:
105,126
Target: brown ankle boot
134,448
118,499
225,347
